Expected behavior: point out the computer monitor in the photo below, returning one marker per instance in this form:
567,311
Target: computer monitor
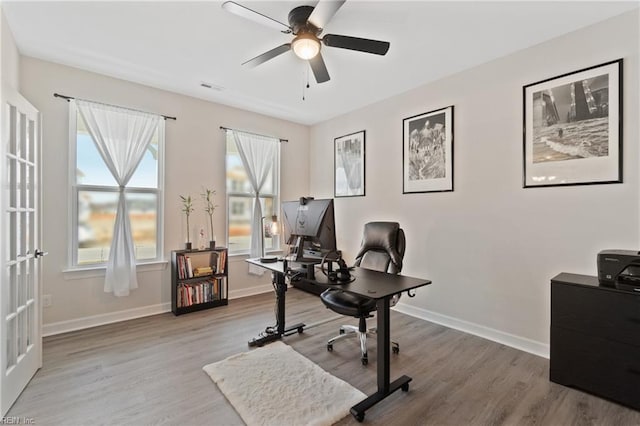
309,228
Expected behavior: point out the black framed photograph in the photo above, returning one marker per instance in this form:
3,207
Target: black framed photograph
573,128
427,152
349,167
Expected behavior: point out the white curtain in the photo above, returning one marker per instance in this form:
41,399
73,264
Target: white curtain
258,154
121,137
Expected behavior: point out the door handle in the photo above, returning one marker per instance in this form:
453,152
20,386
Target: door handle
39,253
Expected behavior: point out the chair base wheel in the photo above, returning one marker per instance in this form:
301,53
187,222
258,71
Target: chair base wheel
359,417
330,348
405,387
341,330
365,361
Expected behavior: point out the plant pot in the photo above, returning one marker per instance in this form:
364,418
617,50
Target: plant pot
188,246
212,245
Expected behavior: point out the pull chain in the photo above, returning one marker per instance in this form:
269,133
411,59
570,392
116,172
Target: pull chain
305,86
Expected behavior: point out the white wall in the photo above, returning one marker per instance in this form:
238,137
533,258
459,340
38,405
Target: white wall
195,151
9,59
491,246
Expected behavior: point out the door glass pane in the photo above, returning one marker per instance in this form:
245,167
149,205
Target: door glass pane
11,149
96,218
31,248
11,181
17,182
22,149
12,243
11,342
31,279
18,232
21,284
29,186
21,345
24,226
30,318
144,219
31,135
13,289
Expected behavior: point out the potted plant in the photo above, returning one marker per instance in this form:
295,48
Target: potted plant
187,208
210,208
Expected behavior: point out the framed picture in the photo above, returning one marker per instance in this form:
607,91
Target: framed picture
427,152
348,160
573,128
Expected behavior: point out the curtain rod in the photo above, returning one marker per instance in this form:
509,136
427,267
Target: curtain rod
257,134
68,98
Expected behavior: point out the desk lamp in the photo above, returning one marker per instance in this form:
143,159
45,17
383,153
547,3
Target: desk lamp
274,231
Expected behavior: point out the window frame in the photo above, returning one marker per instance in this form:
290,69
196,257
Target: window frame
275,197
74,189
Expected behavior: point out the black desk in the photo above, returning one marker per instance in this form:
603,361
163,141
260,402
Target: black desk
280,285
375,285
382,287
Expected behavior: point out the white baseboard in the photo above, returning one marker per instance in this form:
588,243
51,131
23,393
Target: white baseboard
145,311
521,343
251,291
102,319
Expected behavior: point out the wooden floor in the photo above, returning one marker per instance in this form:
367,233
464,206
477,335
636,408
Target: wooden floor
149,371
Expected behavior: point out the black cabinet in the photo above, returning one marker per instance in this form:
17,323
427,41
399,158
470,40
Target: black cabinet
595,338
199,279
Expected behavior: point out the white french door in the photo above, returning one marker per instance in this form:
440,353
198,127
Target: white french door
21,353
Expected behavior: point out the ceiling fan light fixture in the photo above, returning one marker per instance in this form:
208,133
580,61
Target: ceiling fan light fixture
306,46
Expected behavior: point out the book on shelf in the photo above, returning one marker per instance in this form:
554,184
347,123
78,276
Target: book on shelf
204,291
202,271
189,267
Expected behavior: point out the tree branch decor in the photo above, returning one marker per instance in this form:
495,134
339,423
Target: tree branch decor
210,208
187,209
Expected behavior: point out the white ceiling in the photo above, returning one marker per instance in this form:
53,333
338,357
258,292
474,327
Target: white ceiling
177,45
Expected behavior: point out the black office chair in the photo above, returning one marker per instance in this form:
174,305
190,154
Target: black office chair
382,249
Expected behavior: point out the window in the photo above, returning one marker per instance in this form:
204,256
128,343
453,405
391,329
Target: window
94,199
240,202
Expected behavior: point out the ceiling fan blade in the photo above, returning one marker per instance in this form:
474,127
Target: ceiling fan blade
354,43
319,68
268,55
324,11
245,12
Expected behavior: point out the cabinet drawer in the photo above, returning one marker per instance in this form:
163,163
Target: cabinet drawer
612,315
598,366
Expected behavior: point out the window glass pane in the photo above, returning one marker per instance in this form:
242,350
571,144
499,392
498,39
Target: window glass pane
240,209
143,210
237,180
96,217
146,175
92,170
270,240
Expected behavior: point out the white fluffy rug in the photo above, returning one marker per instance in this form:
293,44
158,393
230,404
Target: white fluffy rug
275,385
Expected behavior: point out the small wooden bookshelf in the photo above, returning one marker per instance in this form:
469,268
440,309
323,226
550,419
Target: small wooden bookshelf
199,279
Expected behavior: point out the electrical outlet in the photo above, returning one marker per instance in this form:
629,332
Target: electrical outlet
47,300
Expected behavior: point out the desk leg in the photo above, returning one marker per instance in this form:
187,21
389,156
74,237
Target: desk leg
281,289
384,342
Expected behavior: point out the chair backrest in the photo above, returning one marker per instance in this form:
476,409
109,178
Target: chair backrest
382,249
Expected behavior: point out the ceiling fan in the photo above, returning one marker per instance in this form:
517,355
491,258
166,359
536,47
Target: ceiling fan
306,24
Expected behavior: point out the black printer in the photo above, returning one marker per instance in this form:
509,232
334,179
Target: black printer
619,269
